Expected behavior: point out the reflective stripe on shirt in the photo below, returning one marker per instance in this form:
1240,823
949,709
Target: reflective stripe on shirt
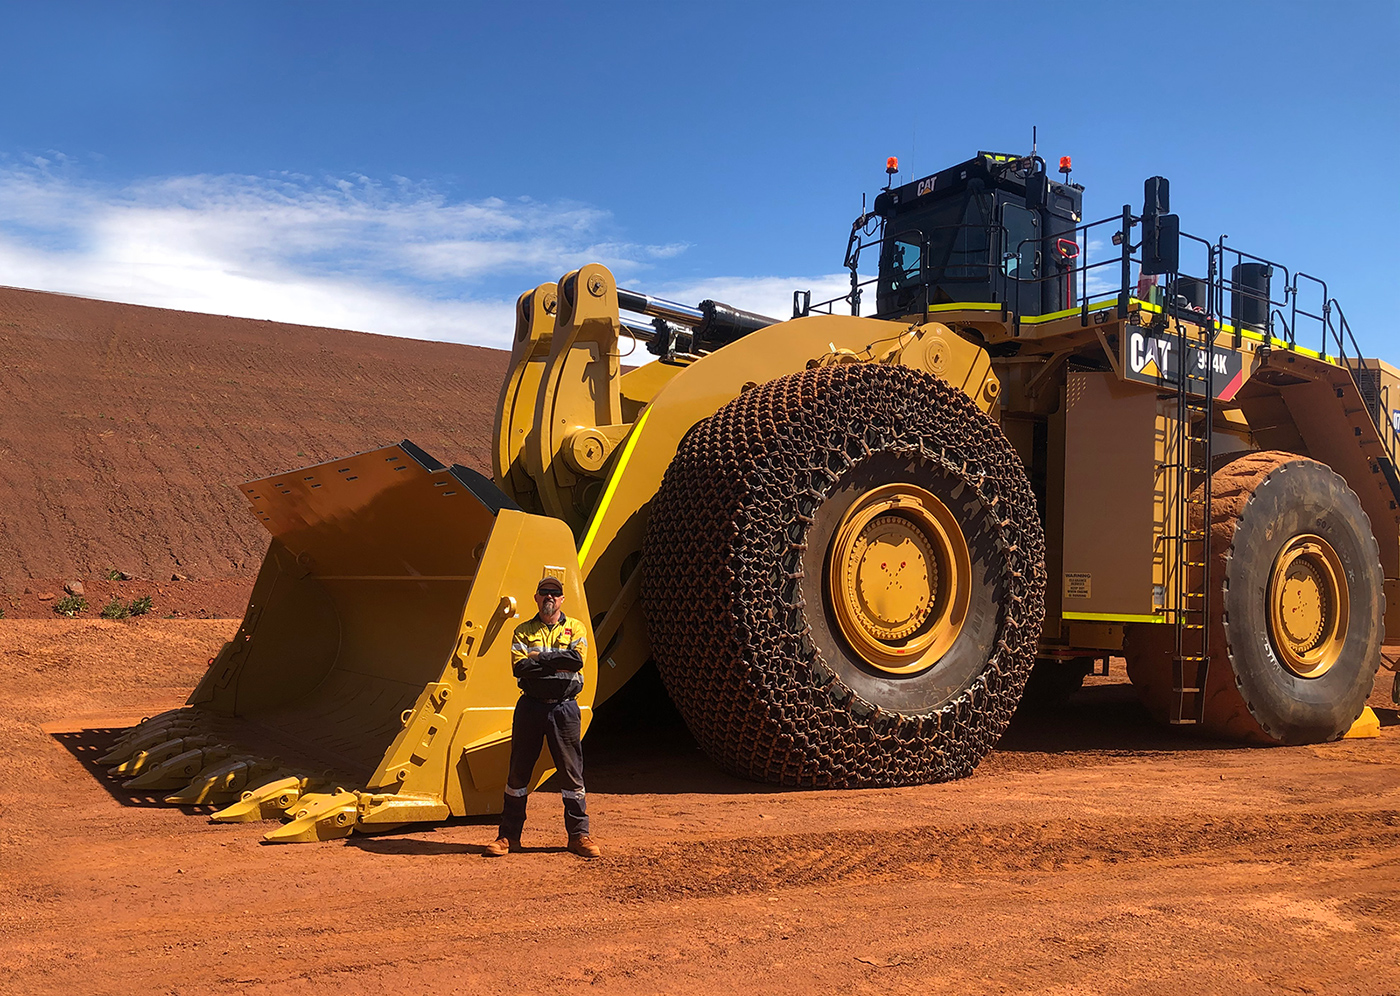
532,634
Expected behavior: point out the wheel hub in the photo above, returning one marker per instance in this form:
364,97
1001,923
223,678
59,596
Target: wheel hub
1308,606
898,577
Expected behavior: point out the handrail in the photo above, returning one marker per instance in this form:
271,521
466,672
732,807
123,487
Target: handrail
1285,310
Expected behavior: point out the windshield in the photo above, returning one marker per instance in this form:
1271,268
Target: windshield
946,241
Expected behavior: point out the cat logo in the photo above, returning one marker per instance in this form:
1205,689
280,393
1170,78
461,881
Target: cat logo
1148,355
926,186
1152,359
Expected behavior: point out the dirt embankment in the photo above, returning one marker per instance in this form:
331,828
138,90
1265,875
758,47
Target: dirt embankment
125,431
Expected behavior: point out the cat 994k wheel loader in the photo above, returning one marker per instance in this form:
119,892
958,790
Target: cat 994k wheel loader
850,544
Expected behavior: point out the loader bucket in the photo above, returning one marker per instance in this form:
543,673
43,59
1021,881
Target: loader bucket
372,667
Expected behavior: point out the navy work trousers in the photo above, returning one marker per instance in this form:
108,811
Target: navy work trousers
558,724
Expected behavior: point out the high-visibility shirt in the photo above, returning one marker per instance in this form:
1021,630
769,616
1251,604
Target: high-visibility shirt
534,634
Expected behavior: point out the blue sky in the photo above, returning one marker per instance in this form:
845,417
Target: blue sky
409,168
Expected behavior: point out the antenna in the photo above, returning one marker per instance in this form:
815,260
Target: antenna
1033,143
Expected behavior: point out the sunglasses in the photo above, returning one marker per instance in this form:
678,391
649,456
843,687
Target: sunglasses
549,594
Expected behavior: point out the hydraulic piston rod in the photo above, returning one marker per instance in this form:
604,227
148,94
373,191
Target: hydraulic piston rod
714,323
672,311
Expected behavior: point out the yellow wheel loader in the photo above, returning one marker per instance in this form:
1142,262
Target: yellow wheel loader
850,544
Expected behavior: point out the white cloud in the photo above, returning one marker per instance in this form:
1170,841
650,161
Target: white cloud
395,257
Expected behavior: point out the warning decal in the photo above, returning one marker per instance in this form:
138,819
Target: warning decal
1078,585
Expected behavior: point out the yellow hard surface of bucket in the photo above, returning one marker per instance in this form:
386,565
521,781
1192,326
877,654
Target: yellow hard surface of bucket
375,650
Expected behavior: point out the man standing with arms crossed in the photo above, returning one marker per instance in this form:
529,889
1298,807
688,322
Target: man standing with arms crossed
546,655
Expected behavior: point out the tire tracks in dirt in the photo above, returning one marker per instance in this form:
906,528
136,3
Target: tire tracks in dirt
756,864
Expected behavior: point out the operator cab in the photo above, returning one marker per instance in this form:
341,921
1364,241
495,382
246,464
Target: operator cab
993,230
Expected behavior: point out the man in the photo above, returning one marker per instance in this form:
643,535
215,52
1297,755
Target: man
546,655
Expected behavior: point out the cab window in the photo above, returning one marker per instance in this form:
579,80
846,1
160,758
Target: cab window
1021,231
906,261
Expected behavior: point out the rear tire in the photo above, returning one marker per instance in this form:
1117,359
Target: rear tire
1298,606
766,541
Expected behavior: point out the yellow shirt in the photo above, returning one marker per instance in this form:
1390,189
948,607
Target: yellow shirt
533,634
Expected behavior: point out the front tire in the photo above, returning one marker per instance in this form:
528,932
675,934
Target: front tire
845,580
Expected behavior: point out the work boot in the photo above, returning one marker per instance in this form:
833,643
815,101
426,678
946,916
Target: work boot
500,847
582,845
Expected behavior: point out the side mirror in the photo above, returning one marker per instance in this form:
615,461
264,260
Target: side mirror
1161,232
1161,244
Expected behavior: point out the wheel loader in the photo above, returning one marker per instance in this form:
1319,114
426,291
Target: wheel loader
849,543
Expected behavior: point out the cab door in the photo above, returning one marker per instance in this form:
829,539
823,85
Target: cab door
1022,264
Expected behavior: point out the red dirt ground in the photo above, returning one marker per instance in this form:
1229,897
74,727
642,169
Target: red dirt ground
1090,853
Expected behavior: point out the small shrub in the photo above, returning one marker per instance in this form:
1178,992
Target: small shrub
140,606
113,574
115,609
70,605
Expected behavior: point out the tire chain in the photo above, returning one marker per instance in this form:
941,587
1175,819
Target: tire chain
723,566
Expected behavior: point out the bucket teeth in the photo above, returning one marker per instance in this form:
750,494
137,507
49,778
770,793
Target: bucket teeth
158,721
169,714
178,770
269,800
158,753
142,737
319,816
223,783
147,736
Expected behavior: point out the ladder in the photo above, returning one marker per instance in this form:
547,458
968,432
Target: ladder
1191,520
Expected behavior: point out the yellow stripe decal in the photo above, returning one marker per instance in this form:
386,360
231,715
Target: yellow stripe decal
1227,329
1110,617
1036,320
1055,316
964,306
613,480
1141,305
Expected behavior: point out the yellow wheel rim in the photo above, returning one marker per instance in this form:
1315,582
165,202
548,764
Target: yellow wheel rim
1309,606
899,578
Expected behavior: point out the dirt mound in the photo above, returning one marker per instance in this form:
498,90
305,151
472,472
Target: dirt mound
125,431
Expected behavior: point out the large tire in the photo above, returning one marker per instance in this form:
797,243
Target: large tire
737,583
1268,684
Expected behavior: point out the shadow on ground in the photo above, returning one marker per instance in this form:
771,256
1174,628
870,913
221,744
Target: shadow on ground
392,844
87,746
639,745
1103,717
